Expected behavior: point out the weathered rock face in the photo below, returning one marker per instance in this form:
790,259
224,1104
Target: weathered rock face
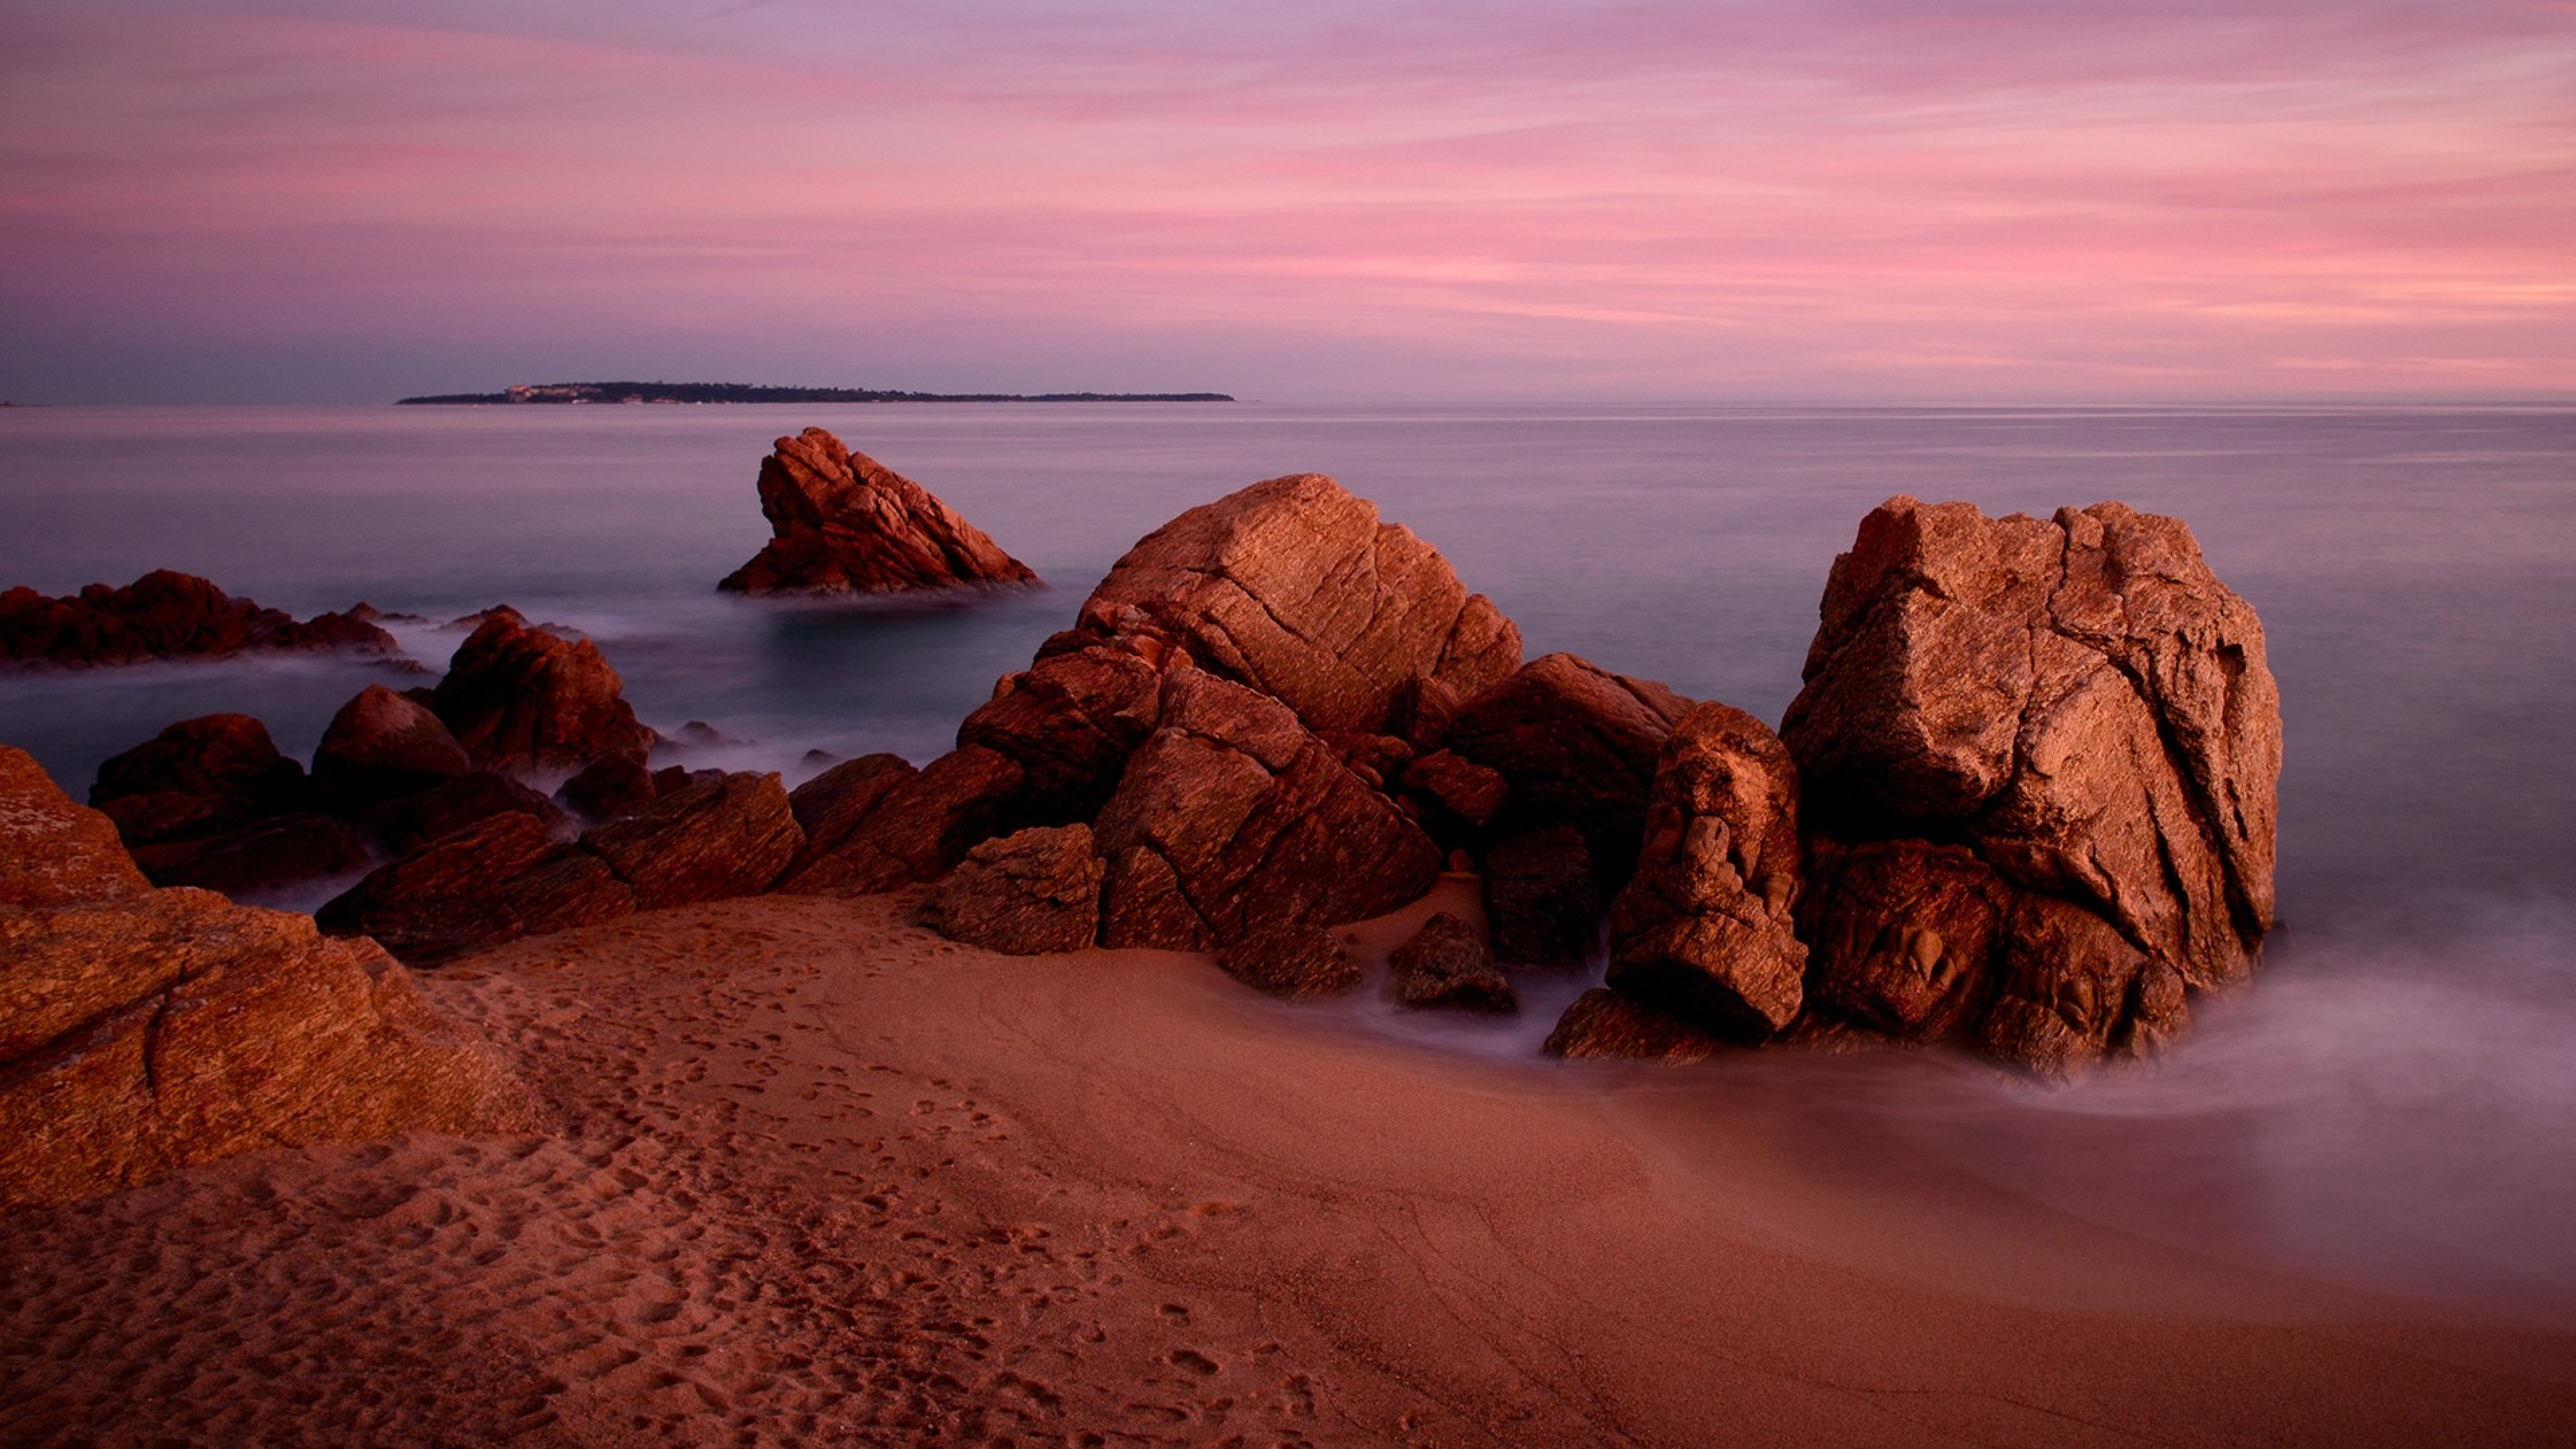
196,780
1604,1023
831,805
1577,745
846,524
1705,928
608,788
1291,962
2040,763
263,856
1294,588
731,836
165,615
521,699
412,821
1448,965
1023,894
382,745
1232,818
494,881
142,1030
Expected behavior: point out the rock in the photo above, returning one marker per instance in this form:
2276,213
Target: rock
731,836
1460,786
260,857
414,820
2040,764
380,746
197,779
1448,964
1025,894
1578,745
143,1031
831,805
846,524
1291,962
1706,927
164,615
1543,898
491,882
520,699
925,824
1294,588
1232,817
1604,1023
611,788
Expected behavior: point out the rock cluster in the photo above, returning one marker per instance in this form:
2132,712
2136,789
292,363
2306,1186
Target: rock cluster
845,523
144,1030
164,615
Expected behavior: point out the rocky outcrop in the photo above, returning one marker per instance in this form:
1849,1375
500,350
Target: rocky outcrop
2040,762
730,836
1023,894
1605,1023
525,700
407,823
1291,962
1577,746
1543,898
1706,927
380,746
846,524
1232,818
1447,964
1294,588
195,781
167,615
143,1030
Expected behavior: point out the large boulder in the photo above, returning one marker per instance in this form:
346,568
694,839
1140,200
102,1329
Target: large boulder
1543,898
526,700
1293,587
1577,746
197,779
844,523
383,745
163,615
2040,762
1706,926
729,836
1029,893
143,1030
1233,817
504,877
407,823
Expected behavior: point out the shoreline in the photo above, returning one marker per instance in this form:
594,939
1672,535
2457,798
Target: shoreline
821,1173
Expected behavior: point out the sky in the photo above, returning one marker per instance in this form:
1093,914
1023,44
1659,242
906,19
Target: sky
1847,200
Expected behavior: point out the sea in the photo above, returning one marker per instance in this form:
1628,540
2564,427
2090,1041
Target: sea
2391,1105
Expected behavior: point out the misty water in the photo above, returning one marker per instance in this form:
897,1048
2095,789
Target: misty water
2392,1104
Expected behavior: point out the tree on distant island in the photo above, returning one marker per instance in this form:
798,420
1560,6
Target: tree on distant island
743,392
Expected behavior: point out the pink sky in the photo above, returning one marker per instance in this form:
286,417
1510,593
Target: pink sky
1863,200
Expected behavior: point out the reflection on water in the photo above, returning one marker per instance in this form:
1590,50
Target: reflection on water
2392,1104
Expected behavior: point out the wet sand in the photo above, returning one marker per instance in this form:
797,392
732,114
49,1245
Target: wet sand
821,1177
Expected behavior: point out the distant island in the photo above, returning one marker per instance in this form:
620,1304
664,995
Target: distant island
743,392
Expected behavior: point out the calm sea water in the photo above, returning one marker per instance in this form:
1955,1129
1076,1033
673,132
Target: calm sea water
2394,1103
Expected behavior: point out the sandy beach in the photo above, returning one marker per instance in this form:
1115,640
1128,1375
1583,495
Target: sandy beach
820,1176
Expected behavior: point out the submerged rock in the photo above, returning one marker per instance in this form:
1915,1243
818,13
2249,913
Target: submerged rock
844,523
143,1031
2041,762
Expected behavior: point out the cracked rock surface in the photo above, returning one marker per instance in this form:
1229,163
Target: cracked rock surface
2041,762
843,523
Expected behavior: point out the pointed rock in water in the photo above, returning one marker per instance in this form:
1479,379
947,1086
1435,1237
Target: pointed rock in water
521,699
164,615
844,523
1448,964
2040,762
1705,928
143,1031
1030,893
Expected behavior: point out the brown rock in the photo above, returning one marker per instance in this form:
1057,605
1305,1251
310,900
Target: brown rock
2084,712
923,826
1447,964
520,699
1543,899
731,836
163,615
846,524
1578,745
491,882
1294,588
415,820
382,745
262,856
1253,822
1706,926
1025,894
142,1031
1604,1023
199,778
1467,790
611,788
1291,962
